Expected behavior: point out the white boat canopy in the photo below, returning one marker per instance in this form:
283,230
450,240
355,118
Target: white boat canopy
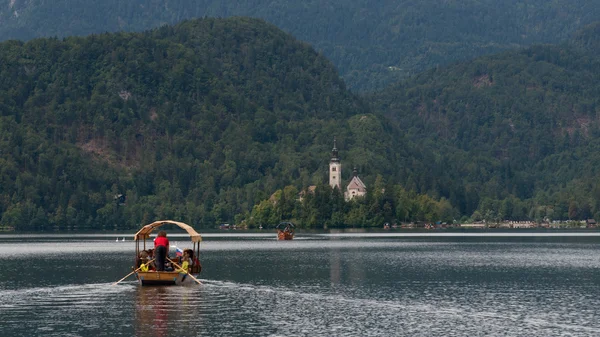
145,232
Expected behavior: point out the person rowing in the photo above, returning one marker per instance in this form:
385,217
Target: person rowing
161,249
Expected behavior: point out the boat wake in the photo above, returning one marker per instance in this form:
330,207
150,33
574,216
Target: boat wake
317,310
34,296
329,313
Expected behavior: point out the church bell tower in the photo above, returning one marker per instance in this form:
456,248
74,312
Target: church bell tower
335,168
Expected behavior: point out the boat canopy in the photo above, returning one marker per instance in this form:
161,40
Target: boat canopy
145,232
285,224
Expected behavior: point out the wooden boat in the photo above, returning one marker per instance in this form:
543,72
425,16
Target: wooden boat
285,230
162,278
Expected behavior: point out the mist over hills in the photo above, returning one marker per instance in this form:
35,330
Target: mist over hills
371,43
587,38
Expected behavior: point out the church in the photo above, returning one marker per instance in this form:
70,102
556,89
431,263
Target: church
356,188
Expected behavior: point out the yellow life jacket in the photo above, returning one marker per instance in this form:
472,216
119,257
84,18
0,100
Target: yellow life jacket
184,267
144,267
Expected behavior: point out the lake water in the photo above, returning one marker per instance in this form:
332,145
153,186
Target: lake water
316,285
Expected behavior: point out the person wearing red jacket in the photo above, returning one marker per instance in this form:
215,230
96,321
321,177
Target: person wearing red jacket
161,249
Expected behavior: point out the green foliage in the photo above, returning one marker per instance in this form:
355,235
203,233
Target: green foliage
371,43
326,208
199,122
205,120
517,132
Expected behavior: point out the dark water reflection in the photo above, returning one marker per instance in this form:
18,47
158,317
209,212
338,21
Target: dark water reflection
313,286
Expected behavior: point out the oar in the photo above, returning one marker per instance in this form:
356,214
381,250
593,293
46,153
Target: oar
190,275
126,276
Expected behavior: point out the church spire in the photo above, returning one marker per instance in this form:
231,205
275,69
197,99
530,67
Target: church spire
355,172
334,152
335,168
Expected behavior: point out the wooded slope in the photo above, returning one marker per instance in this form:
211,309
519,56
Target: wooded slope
372,43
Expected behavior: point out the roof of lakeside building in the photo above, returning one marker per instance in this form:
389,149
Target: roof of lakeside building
356,183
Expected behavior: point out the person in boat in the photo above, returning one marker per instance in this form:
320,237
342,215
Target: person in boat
151,266
194,263
142,259
145,263
161,249
197,267
186,263
189,258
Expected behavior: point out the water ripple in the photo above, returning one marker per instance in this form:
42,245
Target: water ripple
325,287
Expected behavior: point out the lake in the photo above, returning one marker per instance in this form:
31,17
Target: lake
372,284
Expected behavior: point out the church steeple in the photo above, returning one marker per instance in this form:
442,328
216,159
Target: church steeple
334,152
335,168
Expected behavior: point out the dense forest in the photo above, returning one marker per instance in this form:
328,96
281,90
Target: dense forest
324,207
515,137
231,120
198,122
519,128
372,43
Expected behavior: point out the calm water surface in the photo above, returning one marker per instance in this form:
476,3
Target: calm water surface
315,285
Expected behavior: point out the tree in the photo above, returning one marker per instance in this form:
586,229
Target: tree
573,210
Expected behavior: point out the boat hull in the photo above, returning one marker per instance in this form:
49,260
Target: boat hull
281,235
163,278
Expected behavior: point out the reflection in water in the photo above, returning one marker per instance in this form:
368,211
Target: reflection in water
150,315
166,311
335,266
351,267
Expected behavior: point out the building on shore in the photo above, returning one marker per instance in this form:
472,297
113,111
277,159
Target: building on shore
355,188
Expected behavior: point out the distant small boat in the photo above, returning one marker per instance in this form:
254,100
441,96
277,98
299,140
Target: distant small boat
117,240
285,230
123,239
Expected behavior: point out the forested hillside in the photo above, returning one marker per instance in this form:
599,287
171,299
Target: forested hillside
223,120
196,122
519,128
587,38
372,43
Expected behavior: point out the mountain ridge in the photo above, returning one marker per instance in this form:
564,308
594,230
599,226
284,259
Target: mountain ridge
372,44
